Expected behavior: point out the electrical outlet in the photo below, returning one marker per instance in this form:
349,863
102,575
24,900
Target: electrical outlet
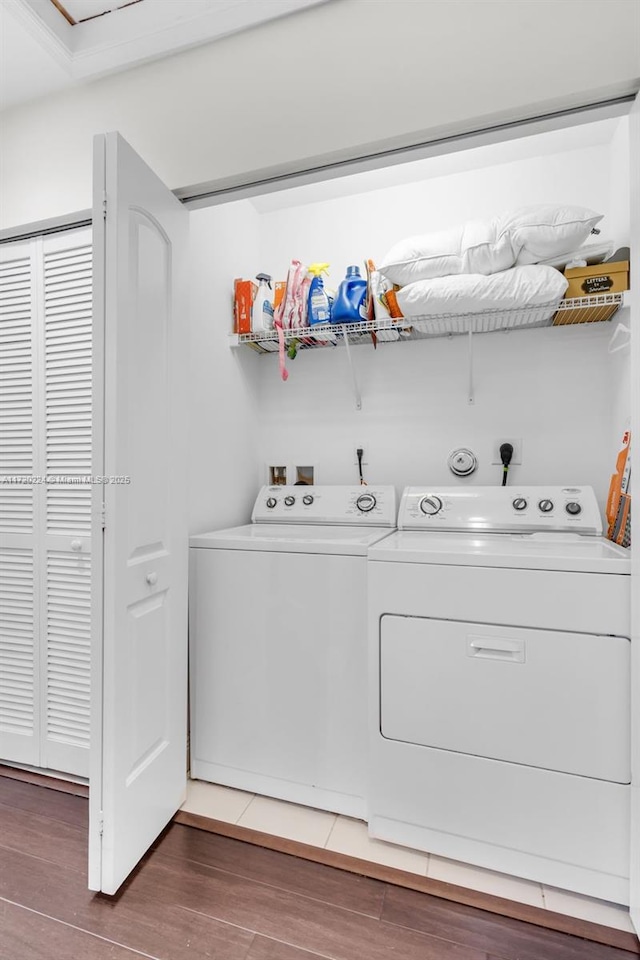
517,451
363,447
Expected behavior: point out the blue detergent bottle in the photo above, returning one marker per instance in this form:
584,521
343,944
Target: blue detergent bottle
349,305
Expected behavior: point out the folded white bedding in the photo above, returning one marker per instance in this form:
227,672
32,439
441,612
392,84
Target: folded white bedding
473,247
547,230
524,236
474,293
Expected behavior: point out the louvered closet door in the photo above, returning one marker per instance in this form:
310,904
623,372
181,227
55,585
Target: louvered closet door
19,652
66,554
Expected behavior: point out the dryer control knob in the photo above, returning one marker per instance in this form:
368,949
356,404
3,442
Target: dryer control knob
431,505
519,503
289,501
573,508
271,502
365,502
307,499
546,506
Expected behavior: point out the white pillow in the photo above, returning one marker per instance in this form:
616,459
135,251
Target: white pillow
546,231
474,247
474,293
523,236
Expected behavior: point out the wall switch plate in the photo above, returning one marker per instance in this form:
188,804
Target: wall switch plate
517,451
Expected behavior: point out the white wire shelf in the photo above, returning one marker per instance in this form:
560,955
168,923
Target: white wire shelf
593,309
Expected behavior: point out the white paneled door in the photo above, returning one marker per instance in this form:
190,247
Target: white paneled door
139,652
45,465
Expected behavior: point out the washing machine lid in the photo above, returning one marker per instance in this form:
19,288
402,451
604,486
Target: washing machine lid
293,538
536,551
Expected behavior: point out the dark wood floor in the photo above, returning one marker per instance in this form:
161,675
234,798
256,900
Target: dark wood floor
198,895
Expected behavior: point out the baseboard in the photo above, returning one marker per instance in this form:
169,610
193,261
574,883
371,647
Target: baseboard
50,780
573,926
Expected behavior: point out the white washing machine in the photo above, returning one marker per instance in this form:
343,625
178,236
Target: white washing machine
278,645
499,685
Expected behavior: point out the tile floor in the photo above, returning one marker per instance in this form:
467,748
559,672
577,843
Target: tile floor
321,829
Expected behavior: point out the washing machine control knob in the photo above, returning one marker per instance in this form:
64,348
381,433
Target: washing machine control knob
289,501
573,508
365,502
307,499
431,505
519,503
271,502
546,506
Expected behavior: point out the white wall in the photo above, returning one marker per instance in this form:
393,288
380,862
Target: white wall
325,82
223,473
620,185
619,220
550,388
556,389
620,374
349,229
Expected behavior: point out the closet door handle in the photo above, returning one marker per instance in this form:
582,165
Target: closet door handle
76,544
151,578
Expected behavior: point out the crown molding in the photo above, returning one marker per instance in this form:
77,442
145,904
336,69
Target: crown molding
141,32
40,19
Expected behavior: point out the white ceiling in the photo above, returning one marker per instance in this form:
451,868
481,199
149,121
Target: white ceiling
41,52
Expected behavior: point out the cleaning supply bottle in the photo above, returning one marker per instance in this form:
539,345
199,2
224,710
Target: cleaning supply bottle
349,305
319,306
262,314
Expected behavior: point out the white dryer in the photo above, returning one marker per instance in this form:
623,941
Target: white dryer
499,685
278,645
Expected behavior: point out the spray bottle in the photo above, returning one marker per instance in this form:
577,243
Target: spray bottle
262,306
319,304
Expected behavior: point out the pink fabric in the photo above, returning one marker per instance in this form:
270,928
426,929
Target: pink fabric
284,373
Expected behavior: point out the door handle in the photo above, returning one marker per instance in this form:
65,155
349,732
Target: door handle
151,578
496,648
76,544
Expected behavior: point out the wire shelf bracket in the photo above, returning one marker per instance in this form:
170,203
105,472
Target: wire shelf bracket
356,388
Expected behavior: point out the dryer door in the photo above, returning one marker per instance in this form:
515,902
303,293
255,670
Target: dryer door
559,701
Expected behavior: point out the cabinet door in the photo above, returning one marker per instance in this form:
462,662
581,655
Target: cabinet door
139,604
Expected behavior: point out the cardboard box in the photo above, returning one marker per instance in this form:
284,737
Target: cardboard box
600,278
244,293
